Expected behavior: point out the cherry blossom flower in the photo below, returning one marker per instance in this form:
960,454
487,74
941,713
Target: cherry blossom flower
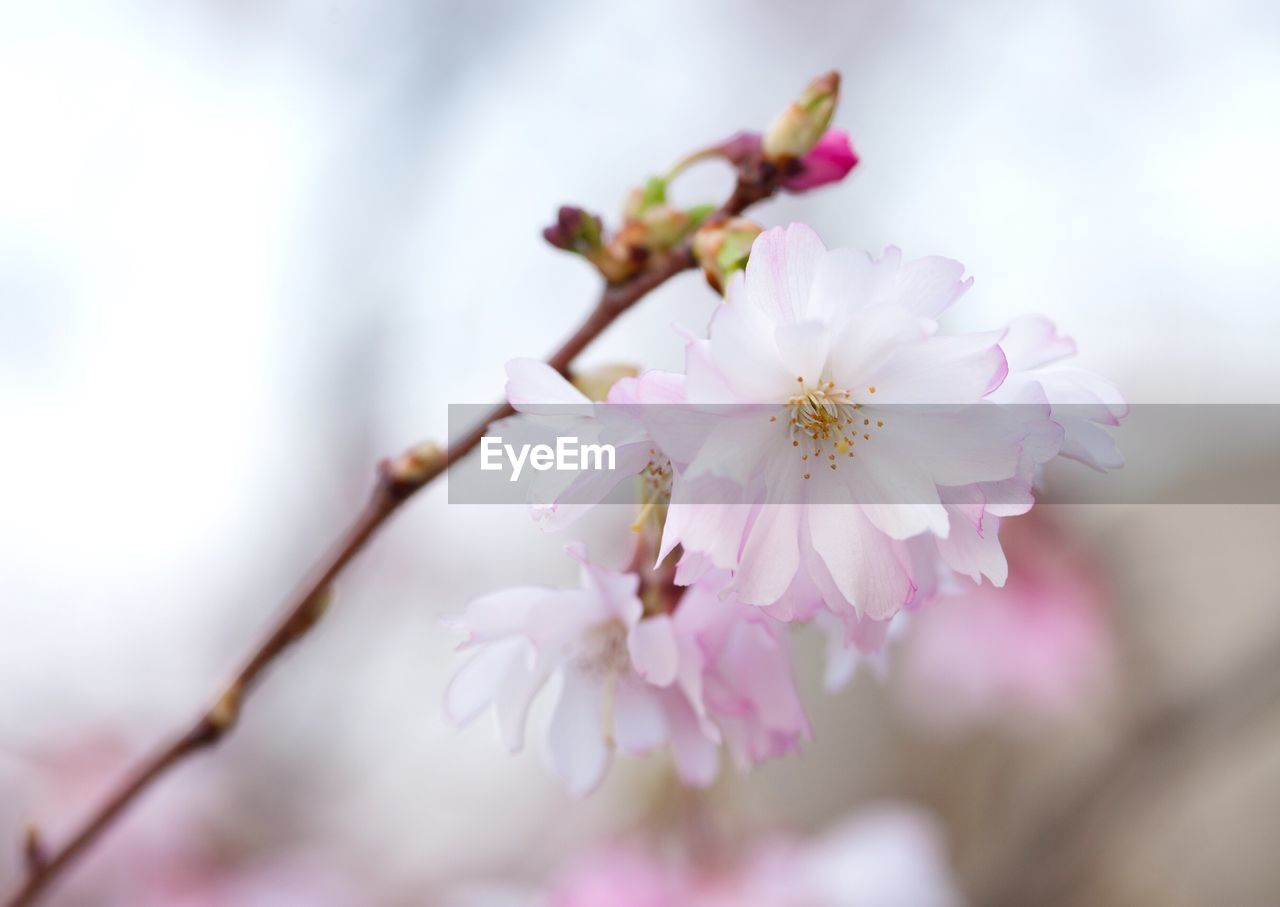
609,658
736,674
878,442
714,672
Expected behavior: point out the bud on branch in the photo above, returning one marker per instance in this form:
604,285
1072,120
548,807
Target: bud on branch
797,129
722,246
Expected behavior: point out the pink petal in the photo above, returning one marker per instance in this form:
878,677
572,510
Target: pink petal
780,272
534,386
829,161
654,655
639,723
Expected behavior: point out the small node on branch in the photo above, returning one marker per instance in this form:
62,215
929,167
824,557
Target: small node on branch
722,246
34,854
317,607
225,712
795,131
413,468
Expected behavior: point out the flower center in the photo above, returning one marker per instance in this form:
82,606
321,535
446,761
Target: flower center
655,490
826,424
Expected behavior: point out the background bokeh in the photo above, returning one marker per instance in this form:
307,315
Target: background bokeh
248,248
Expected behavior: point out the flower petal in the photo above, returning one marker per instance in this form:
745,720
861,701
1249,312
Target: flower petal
652,643
575,738
639,723
780,272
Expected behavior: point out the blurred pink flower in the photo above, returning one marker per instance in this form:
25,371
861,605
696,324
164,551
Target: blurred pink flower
289,882
166,852
888,856
619,877
1037,646
829,162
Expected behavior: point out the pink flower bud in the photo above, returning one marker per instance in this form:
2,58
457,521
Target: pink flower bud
829,162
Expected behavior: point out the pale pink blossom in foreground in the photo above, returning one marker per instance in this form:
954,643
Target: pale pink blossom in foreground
716,673
852,498
890,856
1037,647
829,162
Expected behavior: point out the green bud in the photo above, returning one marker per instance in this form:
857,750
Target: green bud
722,247
797,129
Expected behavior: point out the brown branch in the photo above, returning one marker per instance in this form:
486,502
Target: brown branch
399,479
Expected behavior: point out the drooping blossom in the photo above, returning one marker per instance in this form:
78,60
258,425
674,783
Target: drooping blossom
631,675
736,675
610,659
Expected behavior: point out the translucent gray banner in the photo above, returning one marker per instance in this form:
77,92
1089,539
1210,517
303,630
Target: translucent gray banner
817,451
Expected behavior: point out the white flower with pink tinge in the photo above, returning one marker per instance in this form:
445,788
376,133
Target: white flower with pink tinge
632,678
879,453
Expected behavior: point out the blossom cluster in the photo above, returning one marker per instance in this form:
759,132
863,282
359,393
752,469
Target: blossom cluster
834,456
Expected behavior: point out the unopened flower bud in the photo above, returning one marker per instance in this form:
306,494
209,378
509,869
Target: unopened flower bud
415,466
664,226
798,128
660,227
829,162
575,230
723,246
596,382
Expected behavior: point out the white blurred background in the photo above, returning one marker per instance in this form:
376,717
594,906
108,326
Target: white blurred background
246,248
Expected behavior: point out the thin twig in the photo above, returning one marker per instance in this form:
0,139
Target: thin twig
399,479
